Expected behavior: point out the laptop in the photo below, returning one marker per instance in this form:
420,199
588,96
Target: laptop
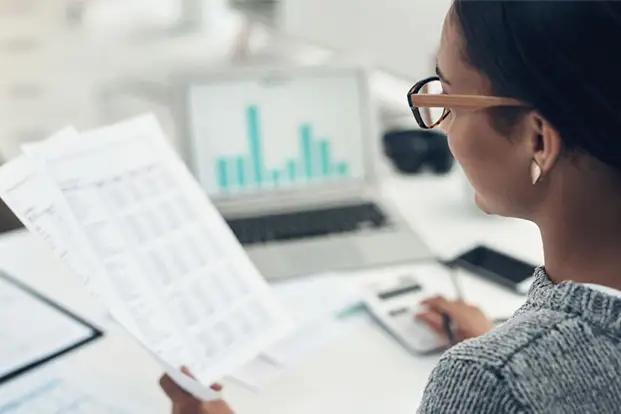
288,156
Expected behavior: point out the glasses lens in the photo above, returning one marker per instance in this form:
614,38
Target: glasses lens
432,115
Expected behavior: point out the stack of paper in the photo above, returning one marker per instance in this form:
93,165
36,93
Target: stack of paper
314,305
51,396
62,389
126,216
317,306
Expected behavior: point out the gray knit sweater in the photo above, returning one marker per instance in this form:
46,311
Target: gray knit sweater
560,353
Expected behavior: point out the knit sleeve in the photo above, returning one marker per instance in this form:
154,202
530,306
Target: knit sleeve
462,386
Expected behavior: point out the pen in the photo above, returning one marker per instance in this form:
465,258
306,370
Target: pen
454,280
447,321
448,329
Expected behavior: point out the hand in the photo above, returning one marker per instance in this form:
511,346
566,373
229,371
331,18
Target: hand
184,403
469,320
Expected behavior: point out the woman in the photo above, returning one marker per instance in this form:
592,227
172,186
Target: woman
533,114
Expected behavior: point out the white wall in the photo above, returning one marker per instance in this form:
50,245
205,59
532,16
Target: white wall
51,72
399,35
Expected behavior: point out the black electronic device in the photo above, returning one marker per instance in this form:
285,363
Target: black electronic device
28,323
498,267
414,151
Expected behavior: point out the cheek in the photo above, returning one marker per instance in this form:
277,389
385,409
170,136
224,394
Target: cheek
469,158
470,145
487,161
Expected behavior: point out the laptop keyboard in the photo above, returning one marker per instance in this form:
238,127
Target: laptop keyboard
305,224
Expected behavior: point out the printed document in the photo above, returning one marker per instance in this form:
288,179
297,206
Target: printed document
51,397
122,210
59,389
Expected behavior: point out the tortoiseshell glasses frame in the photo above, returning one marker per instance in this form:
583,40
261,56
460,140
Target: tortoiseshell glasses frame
419,100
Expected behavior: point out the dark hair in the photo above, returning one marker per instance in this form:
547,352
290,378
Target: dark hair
561,57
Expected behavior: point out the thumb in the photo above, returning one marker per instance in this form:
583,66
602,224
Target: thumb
172,390
433,320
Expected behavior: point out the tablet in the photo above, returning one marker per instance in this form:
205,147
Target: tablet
34,330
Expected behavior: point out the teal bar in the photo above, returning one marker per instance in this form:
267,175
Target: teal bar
256,152
291,170
231,167
307,148
276,178
222,174
342,169
242,174
324,156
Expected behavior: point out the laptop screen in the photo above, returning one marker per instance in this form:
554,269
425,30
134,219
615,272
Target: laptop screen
279,133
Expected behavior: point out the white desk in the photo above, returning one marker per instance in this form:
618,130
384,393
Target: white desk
364,373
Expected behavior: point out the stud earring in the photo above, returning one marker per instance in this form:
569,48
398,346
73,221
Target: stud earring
535,172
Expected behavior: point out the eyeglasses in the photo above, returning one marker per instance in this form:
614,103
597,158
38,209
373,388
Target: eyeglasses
436,106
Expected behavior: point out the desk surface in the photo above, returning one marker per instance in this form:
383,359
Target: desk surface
365,372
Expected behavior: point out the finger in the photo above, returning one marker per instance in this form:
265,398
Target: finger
187,372
434,320
441,305
430,300
216,387
172,390
220,407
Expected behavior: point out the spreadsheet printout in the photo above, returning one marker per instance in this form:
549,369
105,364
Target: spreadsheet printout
173,273
41,207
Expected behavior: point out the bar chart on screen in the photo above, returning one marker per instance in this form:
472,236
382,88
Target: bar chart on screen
314,160
249,136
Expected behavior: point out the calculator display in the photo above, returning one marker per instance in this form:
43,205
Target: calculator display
391,294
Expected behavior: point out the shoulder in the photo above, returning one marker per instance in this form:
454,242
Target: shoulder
539,333
463,385
526,330
471,376
487,373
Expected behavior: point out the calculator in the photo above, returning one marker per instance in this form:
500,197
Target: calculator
394,302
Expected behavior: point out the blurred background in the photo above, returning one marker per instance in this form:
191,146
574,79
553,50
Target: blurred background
91,62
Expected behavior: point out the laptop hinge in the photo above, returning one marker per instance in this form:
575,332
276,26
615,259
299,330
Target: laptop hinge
271,203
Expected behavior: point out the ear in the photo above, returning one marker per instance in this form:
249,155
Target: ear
545,143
